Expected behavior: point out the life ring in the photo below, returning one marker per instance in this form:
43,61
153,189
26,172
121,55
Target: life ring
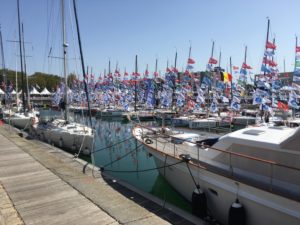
148,141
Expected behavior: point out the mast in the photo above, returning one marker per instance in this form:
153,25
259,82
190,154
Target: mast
82,63
230,65
245,61
65,45
267,40
135,87
25,74
21,57
174,84
3,66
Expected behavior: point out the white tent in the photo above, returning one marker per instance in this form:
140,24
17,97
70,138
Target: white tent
45,92
34,91
1,92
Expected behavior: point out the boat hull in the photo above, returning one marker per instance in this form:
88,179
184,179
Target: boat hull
261,207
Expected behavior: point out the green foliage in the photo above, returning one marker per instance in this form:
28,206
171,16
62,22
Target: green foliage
38,79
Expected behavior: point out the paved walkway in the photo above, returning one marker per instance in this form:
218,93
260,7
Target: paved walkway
47,186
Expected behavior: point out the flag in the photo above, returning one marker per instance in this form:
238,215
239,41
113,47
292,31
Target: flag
208,67
146,72
297,48
189,67
175,70
155,74
272,63
297,64
235,106
257,100
265,69
283,106
292,103
245,66
270,45
191,61
206,80
269,53
212,61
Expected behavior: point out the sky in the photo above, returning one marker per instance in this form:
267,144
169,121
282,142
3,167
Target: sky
117,30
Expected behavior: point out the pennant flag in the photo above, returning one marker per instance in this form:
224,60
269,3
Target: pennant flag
297,48
208,67
206,80
265,69
235,106
245,66
272,63
270,45
269,53
212,61
189,67
292,103
283,106
191,61
175,70
297,64
257,100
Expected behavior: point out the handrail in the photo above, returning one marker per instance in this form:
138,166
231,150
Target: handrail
230,152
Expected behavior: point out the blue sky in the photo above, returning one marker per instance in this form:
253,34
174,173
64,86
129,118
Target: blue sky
120,29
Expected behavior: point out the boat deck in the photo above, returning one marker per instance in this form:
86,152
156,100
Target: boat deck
225,164
45,185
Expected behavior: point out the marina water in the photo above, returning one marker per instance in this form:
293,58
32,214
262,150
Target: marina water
128,155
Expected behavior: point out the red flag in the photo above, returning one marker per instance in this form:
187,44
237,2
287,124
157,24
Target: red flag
186,72
272,63
245,66
283,106
146,72
229,77
175,70
270,45
212,61
155,74
191,61
297,48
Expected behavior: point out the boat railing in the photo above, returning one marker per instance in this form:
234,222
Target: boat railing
268,175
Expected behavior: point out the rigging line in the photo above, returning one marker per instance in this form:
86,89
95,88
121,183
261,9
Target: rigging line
196,185
122,157
101,149
48,31
139,171
73,37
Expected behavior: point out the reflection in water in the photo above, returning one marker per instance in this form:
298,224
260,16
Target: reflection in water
113,158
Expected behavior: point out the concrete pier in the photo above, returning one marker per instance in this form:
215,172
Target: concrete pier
41,184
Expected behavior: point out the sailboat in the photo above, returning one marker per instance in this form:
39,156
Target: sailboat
62,132
28,116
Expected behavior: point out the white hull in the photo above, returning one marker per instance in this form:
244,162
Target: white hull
67,138
262,207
